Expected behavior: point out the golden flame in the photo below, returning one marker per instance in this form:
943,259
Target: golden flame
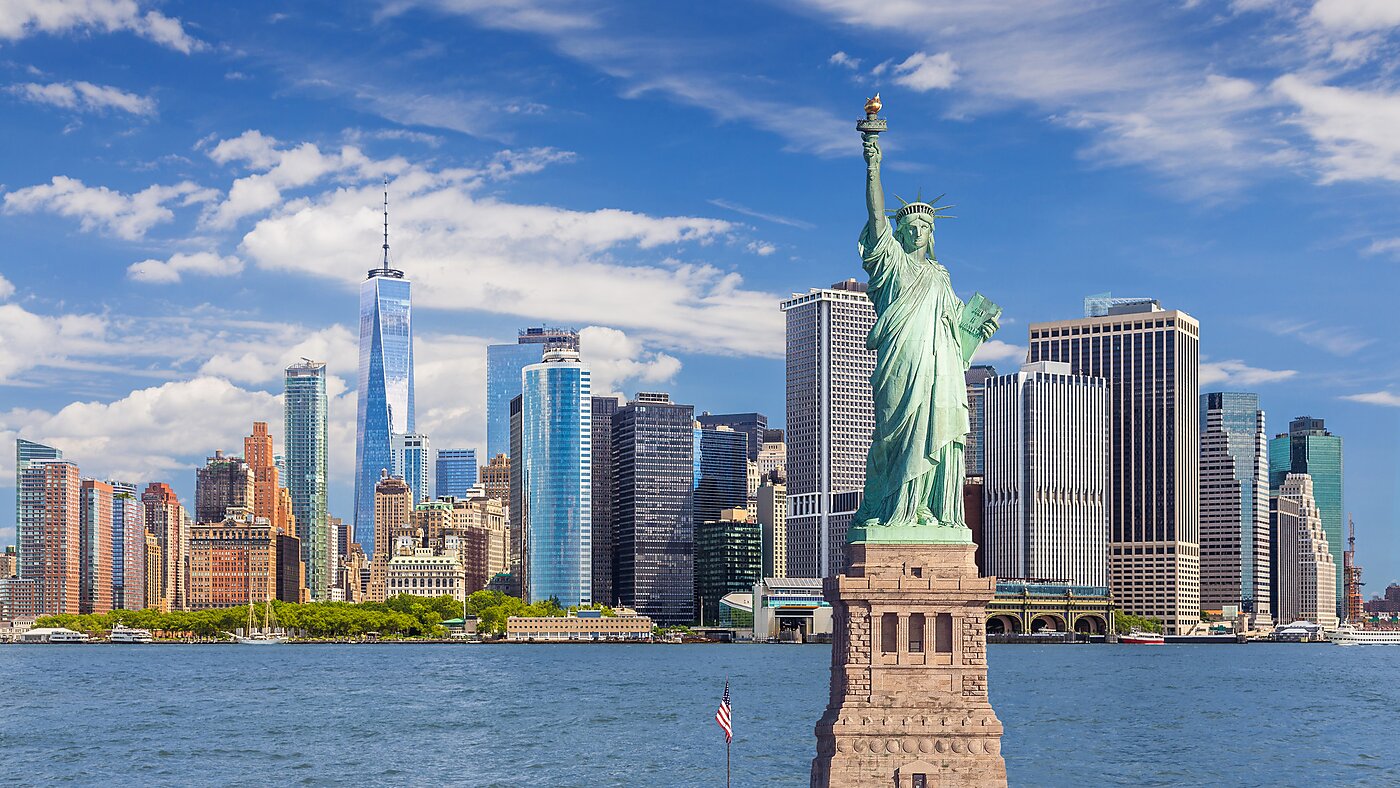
873,105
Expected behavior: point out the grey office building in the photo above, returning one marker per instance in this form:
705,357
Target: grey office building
653,482
753,425
604,408
1235,541
976,378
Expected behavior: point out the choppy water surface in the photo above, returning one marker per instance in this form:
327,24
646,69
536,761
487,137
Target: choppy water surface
643,715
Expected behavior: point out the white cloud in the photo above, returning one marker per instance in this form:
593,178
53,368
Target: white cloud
844,60
7,288
127,216
204,263
1383,246
1337,340
1387,399
29,340
996,350
1356,16
924,72
767,217
1234,372
761,248
84,96
22,18
466,252
615,358
1355,130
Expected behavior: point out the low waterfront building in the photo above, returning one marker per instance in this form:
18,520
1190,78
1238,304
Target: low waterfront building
586,625
421,571
794,605
1025,606
736,611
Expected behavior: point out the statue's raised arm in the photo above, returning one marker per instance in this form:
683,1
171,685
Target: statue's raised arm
874,191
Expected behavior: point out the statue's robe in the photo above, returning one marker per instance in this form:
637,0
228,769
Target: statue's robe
914,472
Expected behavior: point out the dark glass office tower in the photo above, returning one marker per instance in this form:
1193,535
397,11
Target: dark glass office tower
653,482
721,472
752,425
604,408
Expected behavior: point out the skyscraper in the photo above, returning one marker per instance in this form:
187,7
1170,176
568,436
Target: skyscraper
830,417
385,390
504,364
49,530
721,472
603,409
1309,448
95,544
495,478
393,515
728,559
1305,579
653,483
170,523
1045,485
413,463
305,418
128,547
454,472
976,378
772,519
1234,506
223,483
557,472
752,425
27,451
258,453
1151,358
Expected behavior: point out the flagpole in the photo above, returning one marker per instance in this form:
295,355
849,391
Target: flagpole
726,765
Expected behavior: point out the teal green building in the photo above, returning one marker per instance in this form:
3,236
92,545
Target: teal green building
1309,448
728,559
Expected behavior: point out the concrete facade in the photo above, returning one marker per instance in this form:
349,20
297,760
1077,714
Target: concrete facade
909,703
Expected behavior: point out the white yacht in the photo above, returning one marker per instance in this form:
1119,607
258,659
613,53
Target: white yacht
124,634
1353,635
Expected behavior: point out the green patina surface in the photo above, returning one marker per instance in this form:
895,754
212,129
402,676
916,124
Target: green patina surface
924,337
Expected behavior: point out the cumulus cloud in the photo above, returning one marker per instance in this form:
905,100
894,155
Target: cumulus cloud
1354,129
29,340
844,60
169,271
924,72
127,216
85,96
761,248
23,18
1356,16
615,358
996,350
1387,399
7,288
1234,372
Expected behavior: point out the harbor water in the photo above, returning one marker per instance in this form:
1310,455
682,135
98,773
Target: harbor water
600,715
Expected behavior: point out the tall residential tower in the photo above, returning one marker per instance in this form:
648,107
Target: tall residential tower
305,419
1235,506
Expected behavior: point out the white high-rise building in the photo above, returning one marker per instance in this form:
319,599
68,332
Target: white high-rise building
1305,575
1235,506
1151,359
830,417
1045,479
413,464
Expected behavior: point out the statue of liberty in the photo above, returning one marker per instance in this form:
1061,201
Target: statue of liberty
924,337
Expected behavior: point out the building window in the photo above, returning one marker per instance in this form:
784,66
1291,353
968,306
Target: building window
916,633
943,634
919,781
889,633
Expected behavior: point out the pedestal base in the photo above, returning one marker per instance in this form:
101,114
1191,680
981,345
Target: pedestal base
909,705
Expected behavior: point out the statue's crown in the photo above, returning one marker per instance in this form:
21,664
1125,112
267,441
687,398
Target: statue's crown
919,206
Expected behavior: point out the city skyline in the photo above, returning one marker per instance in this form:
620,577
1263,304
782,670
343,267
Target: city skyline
112,384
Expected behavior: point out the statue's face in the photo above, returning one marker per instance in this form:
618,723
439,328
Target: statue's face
916,234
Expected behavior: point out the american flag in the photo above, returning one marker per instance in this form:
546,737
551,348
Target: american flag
722,716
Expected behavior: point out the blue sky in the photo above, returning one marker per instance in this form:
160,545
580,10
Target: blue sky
190,197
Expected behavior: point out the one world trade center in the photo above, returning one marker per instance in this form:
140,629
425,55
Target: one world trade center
385,380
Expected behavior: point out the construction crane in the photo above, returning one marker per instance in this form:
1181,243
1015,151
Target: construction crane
1351,575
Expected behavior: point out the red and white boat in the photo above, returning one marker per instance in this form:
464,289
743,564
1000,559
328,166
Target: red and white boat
1139,638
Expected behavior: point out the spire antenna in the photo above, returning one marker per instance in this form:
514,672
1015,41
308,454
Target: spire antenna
386,221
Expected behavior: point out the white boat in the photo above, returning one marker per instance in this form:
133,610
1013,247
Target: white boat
1139,638
1352,635
264,636
67,636
123,634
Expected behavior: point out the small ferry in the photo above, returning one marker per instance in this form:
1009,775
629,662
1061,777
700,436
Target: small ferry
124,634
1352,635
1139,638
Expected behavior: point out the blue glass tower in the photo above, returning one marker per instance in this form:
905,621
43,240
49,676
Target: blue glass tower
455,470
385,393
557,475
26,453
721,472
504,363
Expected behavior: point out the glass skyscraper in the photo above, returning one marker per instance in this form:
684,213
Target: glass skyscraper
504,363
27,452
303,471
1235,565
752,425
412,463
721,472
654,484
385,391
455,472
556,472
976,378
1309,448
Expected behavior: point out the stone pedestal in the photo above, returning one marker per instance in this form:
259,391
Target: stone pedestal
909,704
